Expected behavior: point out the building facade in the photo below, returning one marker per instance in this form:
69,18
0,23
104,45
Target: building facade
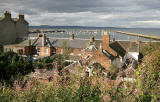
12,28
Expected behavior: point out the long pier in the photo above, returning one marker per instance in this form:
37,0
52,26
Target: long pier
94,31
139,35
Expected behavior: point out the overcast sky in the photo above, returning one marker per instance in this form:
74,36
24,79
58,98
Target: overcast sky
106,13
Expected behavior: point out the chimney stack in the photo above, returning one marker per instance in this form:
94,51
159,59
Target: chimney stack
21,16
105,40
114,39
92,39
29,41
43,40
72,37
7,14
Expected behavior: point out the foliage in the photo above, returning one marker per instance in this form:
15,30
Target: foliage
113,71
150,47
84,89
12,65
7,94
148,75
85,92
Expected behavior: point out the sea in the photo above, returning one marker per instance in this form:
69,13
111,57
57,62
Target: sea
86,33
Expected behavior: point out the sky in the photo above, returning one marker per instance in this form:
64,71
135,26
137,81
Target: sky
100,13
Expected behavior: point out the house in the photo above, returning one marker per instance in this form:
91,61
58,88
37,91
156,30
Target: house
12,28
41,46
44,46
23,48
108,53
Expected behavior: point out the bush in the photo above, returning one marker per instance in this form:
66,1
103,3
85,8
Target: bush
12,65
148,76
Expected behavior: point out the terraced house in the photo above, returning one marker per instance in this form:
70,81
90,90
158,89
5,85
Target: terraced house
12,28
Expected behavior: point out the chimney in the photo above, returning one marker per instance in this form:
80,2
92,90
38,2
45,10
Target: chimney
7,14
71,37
21,16
114,39
29,42
92,39
43,40
105,40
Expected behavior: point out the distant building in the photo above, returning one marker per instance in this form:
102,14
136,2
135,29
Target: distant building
12,28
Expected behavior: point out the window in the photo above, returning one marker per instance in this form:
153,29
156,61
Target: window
38,50
53,51
20,51
9,49
46,50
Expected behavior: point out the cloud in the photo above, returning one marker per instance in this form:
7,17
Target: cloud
118,13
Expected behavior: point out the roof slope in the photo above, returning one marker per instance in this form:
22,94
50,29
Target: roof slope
118,48
70,43
39,42
129,46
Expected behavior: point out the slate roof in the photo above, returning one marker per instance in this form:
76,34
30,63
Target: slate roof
39,42
118,48
76,43
70,43
129,46
15,19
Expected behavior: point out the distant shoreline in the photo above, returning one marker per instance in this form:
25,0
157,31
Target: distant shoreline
80,27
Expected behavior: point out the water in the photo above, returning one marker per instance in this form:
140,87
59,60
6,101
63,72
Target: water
97,33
